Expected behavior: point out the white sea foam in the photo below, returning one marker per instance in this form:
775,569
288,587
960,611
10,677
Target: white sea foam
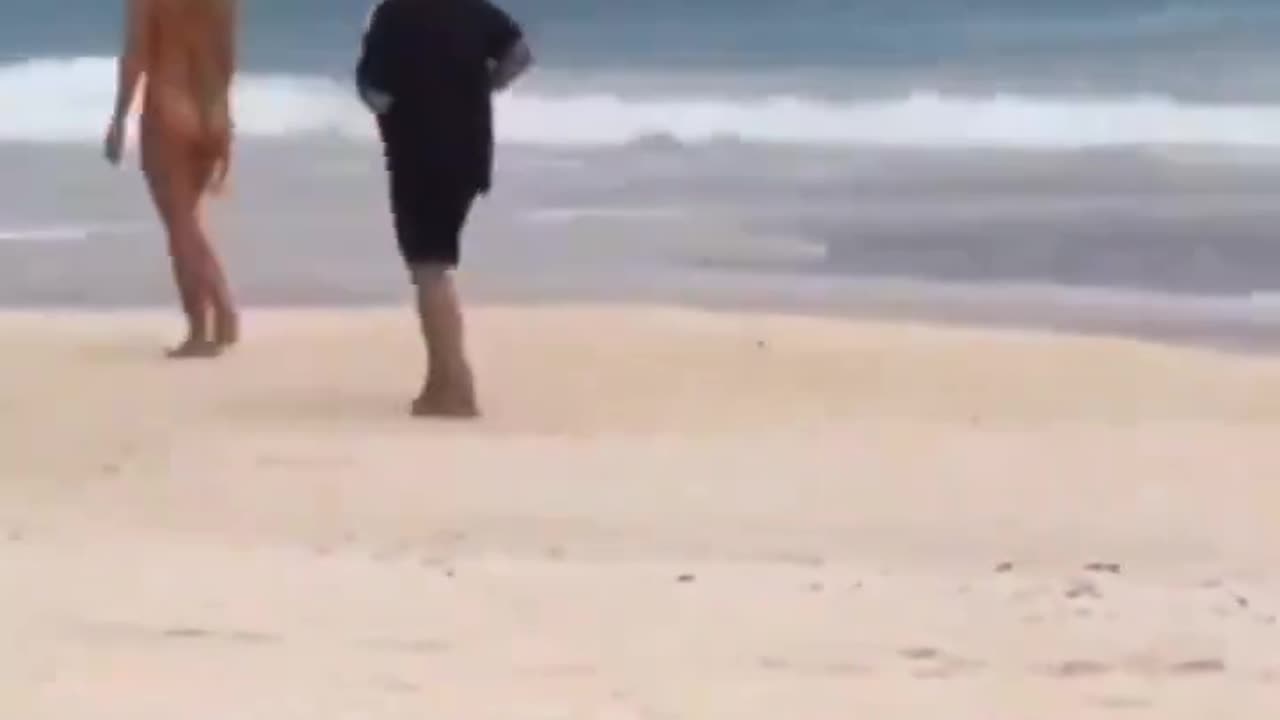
44,234
66,100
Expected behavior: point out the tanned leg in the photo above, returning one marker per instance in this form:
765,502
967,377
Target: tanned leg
193,302
226,324
166,192
449,389
226,320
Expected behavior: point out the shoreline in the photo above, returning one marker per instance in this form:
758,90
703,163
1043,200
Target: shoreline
1206,329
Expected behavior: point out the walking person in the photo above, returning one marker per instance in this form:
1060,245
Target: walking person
185,52
427,70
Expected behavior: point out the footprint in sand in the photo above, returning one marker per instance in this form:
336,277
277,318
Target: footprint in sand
931,662
920,653
242,637
1192,667
1078,669
1082,588
1198,666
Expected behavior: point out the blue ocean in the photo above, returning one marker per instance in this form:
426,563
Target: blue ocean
1004,73
1094,163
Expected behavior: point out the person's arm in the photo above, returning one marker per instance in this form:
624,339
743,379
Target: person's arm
225,48
225,65
132,65
508,52
510,66
373,71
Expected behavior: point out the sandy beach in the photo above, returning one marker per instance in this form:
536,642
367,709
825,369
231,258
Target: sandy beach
866,360
666,514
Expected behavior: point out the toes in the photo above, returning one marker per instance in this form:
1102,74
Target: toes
440,406
195,349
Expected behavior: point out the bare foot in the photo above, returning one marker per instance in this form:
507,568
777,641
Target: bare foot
228,331
192,349
445,405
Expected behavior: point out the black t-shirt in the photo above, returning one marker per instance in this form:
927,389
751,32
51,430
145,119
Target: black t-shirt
434,58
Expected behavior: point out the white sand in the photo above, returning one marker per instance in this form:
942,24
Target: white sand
268,536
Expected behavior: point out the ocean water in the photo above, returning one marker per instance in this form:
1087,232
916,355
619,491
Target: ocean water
1099,162
951,73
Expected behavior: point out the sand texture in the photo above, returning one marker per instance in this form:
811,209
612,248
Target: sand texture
665,514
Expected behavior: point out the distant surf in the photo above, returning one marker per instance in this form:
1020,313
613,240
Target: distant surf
65,100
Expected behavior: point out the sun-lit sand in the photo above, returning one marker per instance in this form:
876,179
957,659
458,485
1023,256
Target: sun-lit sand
665,514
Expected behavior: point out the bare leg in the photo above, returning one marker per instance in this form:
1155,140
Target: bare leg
212,282
213,279
226,320
449,389
167,170
193,303
190,266
226,330
185,269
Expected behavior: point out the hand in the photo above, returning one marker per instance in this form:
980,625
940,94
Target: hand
113,146
218,180
222,167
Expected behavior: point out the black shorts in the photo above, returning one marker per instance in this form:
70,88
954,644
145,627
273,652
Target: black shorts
429,217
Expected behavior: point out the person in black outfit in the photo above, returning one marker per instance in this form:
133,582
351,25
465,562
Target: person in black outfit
427,70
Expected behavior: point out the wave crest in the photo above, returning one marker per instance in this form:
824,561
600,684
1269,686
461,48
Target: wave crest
66,100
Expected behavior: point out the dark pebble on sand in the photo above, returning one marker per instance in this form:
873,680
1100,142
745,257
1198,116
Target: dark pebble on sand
816,587
1103,567
1004,567
686,578
1083,589
920,653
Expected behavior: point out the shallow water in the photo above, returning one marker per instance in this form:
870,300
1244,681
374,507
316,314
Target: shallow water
1173,244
